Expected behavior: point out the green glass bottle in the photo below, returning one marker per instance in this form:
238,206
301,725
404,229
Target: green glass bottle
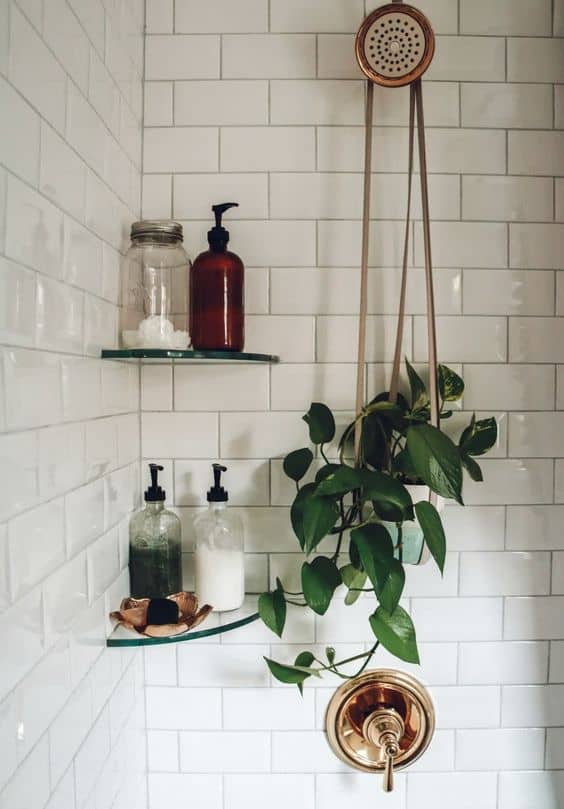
155,547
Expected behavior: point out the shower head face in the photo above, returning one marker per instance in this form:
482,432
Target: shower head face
395,45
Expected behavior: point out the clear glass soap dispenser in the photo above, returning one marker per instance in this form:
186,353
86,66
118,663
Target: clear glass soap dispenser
155,550
219,556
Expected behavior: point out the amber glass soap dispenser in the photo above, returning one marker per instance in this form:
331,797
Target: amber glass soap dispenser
217,282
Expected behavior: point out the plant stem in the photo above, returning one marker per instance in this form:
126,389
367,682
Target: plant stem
323,455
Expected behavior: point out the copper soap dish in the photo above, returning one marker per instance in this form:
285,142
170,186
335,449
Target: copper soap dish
132,614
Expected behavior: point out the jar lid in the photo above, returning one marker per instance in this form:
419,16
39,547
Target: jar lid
156,227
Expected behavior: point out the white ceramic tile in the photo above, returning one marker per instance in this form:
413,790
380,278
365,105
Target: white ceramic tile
103,93
505,663
63,795
438,619
504,387
535,153
527,199
534,59
120,495
457,339
294,387
534,527
290,338
219,15
268,149
22,631
536,246
474,528
100,325
19,139
225,752
91,756
65,595
180,149
60,316
339,244
159,16
158,103
179,435
500,749
182,57
82,257
59,470
156,387
85,131
209,103
259,435
160,666
246,481
17,310
29,787
535,340
532,618
533,436
317,102
513,482
441,790
303,752
467,706
466,244
505,18
194,195
212,387
267,709
65,36
340,148
331,790
36,545
164,790
466,150
528,706
34,229
103,214
157,196
273,56
556,670
337,338
512,106
519,573
333,16
183,708
462,58
515,789
511,292
35,72
162,751
33,388
82,395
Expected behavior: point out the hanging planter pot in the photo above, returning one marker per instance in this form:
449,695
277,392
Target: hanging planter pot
413,548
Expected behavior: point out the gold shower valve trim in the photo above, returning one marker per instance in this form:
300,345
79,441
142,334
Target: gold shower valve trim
382,721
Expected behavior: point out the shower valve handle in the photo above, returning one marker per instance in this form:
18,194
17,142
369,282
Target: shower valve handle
384,729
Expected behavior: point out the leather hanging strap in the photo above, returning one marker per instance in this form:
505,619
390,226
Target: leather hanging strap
361,357
415,112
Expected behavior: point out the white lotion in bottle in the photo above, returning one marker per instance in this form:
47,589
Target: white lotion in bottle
219,556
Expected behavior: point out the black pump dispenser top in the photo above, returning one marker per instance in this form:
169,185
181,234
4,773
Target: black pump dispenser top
217,493
154,493
218,236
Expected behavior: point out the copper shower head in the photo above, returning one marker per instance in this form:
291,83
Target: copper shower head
395,45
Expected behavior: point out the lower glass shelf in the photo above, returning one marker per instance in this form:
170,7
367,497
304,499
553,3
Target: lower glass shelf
127,637
174,355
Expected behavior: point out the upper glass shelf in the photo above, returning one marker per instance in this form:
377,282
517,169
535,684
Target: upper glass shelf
127,637
174,355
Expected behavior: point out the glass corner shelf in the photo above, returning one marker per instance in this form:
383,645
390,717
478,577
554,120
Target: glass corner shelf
177,355
127,637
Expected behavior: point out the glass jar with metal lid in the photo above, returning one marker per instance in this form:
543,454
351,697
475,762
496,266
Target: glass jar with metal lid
154,288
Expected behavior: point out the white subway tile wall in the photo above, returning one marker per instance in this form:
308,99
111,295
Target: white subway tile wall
70,175
262,102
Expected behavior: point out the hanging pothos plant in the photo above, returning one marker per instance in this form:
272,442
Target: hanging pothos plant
371,503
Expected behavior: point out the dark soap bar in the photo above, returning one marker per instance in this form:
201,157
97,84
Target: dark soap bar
162,611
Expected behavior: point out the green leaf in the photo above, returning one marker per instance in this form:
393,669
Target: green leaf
436,460
388,492
433,531
297,463
320,579
272,610
325,471
402,464
297,511
330,654
396,633
321,423
386,574
319,515
419,396
479,436
291,675
354,580
341,480
451,386
471,467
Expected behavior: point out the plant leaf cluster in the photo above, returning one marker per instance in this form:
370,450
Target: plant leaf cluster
352,509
